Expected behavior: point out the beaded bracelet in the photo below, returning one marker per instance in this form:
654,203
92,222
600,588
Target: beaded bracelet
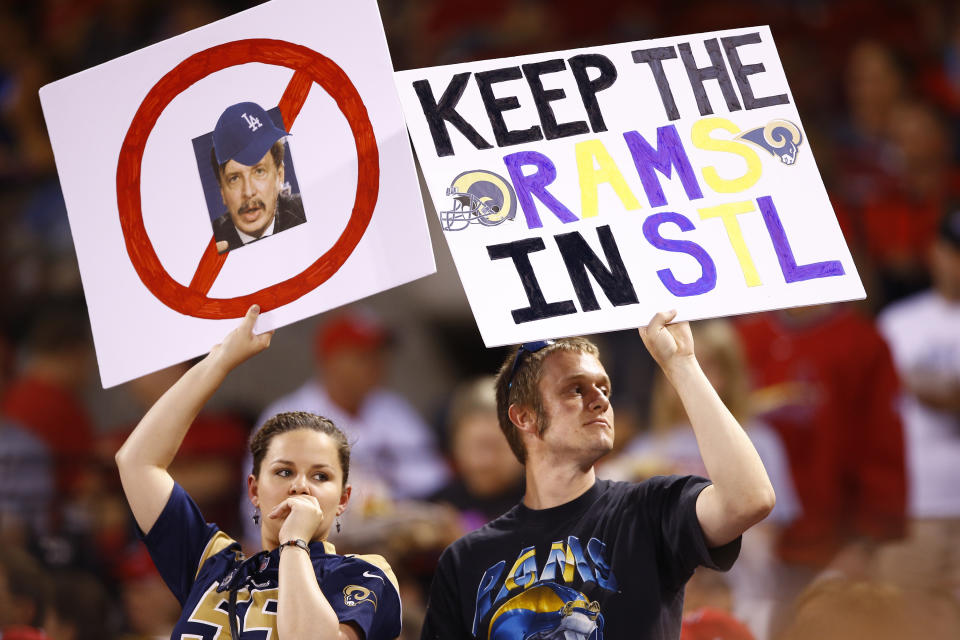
299,542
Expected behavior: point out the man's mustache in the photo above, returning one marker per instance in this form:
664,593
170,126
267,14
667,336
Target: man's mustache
250,205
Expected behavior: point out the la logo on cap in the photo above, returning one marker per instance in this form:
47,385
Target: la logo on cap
244,132
252,121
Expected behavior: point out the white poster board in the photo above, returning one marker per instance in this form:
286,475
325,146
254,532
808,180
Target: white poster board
165,264
582,191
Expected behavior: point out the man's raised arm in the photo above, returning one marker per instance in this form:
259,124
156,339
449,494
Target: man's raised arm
741,494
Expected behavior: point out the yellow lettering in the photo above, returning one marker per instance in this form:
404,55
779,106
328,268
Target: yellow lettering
511,583
558,549
590,153
728,214
701,139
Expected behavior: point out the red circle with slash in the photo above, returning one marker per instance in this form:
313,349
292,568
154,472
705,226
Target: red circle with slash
309,67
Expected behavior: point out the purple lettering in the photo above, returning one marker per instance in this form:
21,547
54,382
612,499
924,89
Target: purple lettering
535,184
651,231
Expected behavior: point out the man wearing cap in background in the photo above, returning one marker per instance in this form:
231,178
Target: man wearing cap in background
247,158
923,332
394,453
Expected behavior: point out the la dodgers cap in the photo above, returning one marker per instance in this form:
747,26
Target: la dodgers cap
950,227
244,132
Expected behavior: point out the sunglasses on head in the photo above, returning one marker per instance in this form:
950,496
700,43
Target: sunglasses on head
526,347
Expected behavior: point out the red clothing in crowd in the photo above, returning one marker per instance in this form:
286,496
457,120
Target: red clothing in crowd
58,417
897,227
713,624
23,632
208,463
825,381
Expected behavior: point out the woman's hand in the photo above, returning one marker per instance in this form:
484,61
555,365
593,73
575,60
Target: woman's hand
668,344
240,344
301,515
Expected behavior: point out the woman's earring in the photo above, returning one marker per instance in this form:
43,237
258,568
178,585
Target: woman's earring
256,515
338,524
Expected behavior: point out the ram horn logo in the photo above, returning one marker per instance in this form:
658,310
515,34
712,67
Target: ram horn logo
780,137
355,595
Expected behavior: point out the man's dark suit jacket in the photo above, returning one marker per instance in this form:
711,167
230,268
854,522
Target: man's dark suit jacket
289,214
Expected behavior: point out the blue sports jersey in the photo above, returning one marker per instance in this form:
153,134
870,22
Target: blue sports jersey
200,564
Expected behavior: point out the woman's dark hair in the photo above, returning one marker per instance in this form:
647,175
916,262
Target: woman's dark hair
293,421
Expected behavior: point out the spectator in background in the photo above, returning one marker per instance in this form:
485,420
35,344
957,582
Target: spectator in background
26,485
24,596
874,83
489,479
708,609
941,79
899,218
707,590
150,610
923,332
670,447
45,397
394,455
825,382
79,608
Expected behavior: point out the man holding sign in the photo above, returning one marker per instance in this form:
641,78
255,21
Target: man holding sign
247,159
587,558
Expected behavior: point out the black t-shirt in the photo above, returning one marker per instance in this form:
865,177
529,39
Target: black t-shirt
609,564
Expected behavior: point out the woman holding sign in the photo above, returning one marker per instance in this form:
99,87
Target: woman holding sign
297,585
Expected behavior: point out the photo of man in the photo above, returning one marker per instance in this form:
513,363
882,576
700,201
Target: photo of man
247,158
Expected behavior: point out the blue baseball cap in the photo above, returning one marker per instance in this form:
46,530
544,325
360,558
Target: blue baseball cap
244,132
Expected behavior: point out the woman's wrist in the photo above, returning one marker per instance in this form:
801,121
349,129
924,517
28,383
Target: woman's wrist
299,543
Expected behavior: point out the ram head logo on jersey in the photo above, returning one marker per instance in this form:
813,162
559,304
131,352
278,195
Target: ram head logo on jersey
355,595
548,611
780,137
479,196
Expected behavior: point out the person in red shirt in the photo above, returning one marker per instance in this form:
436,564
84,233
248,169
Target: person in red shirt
825,380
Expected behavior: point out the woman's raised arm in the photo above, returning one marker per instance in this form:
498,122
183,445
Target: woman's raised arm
144,457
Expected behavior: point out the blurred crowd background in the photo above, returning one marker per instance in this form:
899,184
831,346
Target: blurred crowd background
854,408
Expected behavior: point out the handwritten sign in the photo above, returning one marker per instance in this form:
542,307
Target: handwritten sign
260,159
581,191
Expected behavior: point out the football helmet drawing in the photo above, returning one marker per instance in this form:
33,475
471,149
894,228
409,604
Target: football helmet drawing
479,196
548,611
